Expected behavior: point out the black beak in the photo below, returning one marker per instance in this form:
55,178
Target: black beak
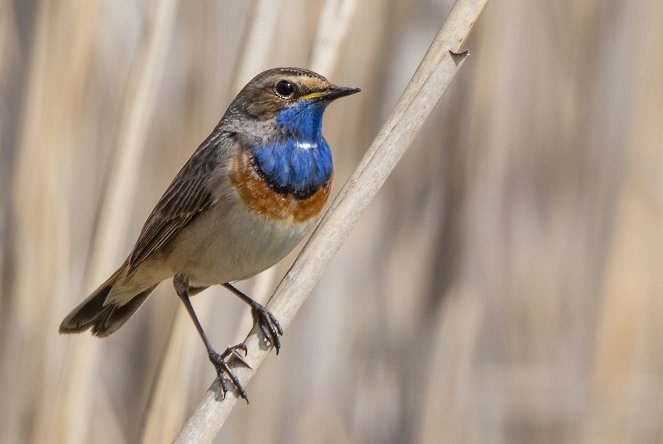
334,92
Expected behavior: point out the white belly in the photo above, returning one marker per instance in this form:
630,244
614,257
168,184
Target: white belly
228,243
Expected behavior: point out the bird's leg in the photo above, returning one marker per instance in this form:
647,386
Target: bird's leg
181,284
268,324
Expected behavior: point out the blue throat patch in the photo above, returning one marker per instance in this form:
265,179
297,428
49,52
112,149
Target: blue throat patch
301,163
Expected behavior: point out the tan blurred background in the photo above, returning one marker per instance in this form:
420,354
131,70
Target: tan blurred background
505,287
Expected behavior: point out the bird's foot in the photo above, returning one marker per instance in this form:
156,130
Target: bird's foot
221,365
268,324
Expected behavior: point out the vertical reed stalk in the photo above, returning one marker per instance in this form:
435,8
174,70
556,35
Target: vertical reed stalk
111,231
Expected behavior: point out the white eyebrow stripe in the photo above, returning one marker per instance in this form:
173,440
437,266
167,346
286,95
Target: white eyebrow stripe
306,145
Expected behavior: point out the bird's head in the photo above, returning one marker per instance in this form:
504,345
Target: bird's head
290,100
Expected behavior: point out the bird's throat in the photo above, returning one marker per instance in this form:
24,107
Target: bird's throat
295,167
300,162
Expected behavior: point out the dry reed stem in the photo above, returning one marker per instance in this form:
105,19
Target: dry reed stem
167,403
33,180
41,199
112,227
434,74
257,40
332,28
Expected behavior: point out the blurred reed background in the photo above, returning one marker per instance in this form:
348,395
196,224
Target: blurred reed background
505,287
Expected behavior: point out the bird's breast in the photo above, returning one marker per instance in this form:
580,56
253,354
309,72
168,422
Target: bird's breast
258,196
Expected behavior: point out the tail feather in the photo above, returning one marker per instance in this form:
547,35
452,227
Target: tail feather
102,318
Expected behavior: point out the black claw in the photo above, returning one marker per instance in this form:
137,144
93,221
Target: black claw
222,368
268,324
234,348
224,386
240,358
265,331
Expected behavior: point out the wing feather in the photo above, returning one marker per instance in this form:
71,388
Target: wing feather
193,190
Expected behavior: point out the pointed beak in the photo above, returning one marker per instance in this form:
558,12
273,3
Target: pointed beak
334,92
331,93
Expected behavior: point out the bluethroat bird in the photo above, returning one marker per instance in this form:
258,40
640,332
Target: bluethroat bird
244,199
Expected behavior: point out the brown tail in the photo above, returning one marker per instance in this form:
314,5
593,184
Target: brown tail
102,319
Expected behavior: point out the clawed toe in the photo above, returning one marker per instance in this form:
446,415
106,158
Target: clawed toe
234,351
268,324
222,368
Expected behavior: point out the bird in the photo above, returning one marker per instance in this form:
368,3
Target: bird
245,198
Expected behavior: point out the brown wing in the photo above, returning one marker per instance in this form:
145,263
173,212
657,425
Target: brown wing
192,191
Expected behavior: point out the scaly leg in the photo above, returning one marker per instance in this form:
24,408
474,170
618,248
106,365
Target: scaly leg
181,284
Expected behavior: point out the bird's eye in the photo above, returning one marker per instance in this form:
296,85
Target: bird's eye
284,88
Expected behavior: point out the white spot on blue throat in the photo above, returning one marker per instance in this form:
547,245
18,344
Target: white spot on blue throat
306,145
